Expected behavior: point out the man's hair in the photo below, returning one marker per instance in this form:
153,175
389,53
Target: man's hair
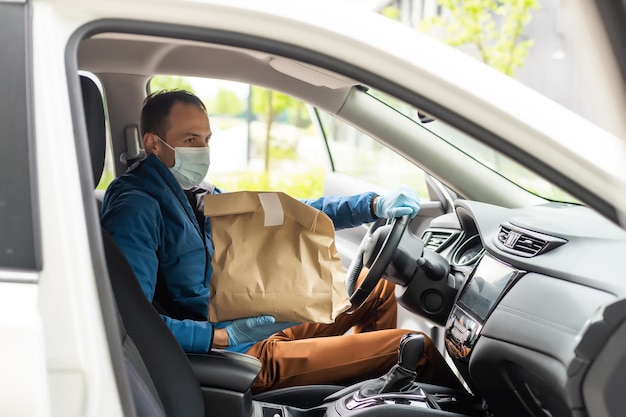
157,106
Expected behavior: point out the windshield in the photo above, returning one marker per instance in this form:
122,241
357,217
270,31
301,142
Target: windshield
490,158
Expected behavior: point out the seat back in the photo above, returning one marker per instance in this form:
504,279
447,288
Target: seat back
169,370
96,127
160,377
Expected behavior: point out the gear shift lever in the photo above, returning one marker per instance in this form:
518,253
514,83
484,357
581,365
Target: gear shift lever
401,375
410,351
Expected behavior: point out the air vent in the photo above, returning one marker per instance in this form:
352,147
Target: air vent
525,243
437,239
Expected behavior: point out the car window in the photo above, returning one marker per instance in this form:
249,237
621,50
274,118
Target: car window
487,156
357,154
265,140
262,140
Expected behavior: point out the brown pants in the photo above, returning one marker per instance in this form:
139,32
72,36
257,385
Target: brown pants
321,354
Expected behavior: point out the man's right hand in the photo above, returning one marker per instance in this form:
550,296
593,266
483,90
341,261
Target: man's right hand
254,329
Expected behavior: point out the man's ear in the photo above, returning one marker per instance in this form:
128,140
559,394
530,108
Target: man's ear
150,142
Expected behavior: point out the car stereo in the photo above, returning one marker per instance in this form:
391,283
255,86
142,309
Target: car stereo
483,289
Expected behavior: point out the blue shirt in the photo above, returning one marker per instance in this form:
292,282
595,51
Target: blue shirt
151,219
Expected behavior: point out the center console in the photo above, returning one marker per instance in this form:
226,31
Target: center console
486,285
419,400
226,379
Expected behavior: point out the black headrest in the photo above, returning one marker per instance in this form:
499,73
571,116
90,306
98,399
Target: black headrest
96,128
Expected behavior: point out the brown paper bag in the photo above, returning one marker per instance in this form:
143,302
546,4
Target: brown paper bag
273,255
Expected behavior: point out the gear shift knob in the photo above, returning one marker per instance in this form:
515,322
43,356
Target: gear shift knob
401,376
410,350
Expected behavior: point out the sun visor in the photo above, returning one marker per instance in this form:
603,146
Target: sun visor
310,74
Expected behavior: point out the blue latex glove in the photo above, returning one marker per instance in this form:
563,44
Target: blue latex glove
254,329
398,203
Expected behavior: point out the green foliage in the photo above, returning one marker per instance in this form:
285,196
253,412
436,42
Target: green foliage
227,103
298,115
170,82
391,12
278,106
494,27
270,104
309,184
105,180
283,152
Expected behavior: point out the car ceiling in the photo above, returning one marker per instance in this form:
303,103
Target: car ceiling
148,56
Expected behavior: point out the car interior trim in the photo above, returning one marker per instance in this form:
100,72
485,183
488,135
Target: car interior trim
13,275
105,293
19,222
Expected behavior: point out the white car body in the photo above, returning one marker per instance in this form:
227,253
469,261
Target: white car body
53,348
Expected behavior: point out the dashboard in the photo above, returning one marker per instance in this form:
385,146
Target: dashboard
532,291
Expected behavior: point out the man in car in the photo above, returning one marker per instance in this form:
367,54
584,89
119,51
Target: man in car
154,213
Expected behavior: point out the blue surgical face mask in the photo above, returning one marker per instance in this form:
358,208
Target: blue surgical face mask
191,164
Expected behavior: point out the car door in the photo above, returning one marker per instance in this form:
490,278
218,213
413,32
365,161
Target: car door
22,350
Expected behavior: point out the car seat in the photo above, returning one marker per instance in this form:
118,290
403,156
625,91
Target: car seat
158,387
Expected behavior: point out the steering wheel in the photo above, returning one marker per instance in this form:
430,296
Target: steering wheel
382,255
